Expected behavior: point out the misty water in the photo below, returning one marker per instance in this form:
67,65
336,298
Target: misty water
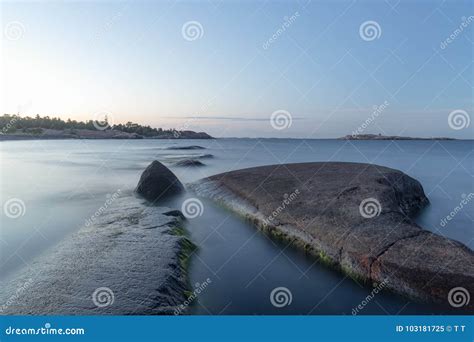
63,183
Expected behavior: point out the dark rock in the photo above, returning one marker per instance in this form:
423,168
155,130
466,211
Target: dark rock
191,135
46,134
320,207
127,261
387,137
175,213
205,156
192,147
157,181
189,162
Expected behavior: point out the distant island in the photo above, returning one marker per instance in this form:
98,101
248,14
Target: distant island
386,137
14,127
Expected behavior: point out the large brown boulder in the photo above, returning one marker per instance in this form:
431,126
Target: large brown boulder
355,216
157,182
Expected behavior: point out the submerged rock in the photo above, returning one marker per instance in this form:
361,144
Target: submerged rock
205,156
128,261
192,147
157,182
354,216
189,162
175,213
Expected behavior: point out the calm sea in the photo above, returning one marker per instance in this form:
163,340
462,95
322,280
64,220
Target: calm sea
58,185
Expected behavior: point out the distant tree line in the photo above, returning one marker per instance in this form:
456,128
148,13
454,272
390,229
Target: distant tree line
35,125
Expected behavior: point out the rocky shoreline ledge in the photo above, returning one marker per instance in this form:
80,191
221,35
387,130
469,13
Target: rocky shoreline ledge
55,134
388,137
129,260
356,217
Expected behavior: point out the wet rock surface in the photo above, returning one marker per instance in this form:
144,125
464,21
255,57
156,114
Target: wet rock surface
205,156
191,147
158,182
357,217
127,261
189,162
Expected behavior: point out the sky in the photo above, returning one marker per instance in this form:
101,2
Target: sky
302,69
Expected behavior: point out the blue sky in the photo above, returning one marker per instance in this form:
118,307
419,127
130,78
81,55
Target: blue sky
131,59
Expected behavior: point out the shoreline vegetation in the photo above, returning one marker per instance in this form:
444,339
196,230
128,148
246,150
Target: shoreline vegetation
14,127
